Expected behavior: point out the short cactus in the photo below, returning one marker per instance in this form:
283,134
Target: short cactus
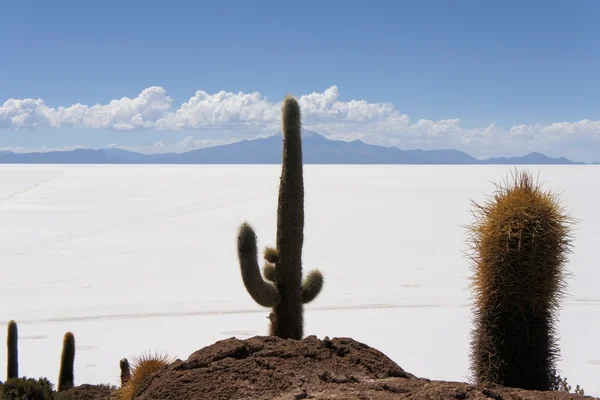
125,371
66,376
521,238
12,338
143,366
284,290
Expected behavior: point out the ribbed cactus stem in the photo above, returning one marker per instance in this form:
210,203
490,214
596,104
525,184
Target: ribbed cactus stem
66,378
12,367
287,321
283,266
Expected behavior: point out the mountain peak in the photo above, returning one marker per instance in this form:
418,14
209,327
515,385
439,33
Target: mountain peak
305,134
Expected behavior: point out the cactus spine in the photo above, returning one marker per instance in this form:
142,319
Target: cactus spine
521,238
12,338
66,377
142,367
284,291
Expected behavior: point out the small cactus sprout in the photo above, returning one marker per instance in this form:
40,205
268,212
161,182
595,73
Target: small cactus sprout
271,259
520,240
271,255
66,378
12,338
282,288
269,272
125,371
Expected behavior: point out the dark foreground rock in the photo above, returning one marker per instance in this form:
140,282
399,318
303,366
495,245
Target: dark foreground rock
262,368
92,392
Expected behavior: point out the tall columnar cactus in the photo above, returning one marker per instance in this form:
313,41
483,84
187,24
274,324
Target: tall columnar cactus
284,291
66,376
12,367
521,239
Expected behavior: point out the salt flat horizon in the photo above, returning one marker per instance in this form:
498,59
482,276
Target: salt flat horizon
132,258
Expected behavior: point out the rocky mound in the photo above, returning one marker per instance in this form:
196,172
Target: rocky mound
91,392
262,368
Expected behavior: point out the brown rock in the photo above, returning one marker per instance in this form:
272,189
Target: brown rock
91,392
262,368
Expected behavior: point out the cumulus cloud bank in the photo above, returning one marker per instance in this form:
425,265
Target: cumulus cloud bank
379,123
141,112
153,109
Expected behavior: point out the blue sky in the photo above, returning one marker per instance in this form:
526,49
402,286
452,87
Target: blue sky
486,77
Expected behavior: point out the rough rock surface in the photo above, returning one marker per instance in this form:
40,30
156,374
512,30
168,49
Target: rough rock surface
262,368
92,392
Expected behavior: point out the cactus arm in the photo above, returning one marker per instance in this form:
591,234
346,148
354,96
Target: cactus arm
311,286
264,293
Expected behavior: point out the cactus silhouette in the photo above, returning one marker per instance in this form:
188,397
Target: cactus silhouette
521,239
65,378
284,291
12,367
125,371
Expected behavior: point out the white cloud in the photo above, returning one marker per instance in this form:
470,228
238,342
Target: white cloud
152,109
186,144
559,130
122,114
154,148
239,114
478,136
190,143
205,110
43,149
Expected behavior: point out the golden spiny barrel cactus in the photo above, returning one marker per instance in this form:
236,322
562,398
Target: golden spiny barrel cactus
520,241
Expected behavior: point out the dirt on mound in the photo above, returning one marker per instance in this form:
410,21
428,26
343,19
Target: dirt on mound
91,392
262,368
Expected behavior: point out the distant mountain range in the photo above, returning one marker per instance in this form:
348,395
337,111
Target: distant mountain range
316,150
